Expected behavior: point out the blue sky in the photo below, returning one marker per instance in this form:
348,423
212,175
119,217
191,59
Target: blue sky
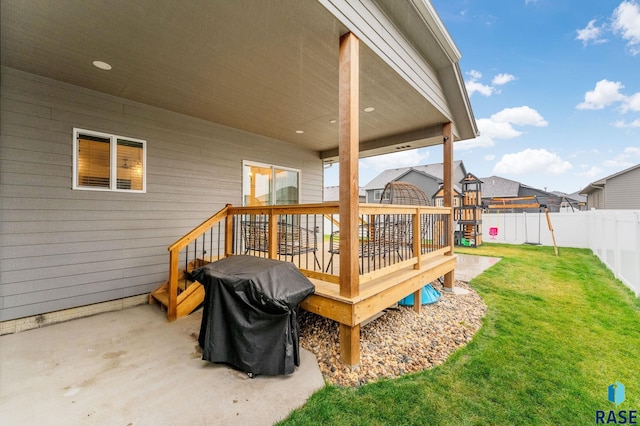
554,86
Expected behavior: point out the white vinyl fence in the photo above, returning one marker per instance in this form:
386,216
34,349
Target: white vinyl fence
612,235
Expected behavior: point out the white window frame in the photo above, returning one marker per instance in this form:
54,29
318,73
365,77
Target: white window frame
113,153
273,168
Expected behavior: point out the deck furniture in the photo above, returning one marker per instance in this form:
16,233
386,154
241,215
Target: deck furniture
293,240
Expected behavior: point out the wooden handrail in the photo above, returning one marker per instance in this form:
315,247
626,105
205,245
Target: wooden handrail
368,212
198,230
400,209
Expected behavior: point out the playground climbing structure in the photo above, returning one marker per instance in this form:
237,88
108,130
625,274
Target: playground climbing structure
469,214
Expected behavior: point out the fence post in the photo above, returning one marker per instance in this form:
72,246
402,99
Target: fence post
617,252
637,250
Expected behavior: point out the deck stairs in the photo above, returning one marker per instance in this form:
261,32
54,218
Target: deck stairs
190,293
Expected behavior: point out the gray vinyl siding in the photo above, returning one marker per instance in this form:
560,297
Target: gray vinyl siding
623,191
542,198
61,248
428,185
595,199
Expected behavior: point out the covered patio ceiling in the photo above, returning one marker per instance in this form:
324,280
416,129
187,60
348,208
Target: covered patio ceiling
267,67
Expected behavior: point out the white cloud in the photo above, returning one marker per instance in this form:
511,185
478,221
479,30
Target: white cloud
631,103
632,124
489,157
530,161
632,150
395,160
626,23
522,116
591,34
473,85
475,75
500,126
629,156
479,142
605,93
589,171
501,79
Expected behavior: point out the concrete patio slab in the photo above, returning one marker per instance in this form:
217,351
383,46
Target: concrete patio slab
470,266
132,367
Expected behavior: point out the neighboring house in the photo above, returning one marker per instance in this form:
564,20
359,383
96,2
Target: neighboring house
499,187
125,125
427,177
618,191
571,202
332,193
438,197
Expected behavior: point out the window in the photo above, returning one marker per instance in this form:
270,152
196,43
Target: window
107,162
377,194
439,201
266,185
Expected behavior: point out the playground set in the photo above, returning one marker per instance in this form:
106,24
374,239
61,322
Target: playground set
469,214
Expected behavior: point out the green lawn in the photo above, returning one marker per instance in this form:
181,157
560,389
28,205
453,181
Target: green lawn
558,331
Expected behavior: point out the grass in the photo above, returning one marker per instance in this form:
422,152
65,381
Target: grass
558,331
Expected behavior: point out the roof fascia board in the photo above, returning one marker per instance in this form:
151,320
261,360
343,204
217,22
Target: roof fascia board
369,23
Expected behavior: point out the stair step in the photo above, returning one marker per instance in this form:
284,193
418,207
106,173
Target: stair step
162,297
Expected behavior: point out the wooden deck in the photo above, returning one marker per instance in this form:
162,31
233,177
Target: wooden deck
400,264
376,294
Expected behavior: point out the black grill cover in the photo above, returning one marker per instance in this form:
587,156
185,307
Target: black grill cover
249,318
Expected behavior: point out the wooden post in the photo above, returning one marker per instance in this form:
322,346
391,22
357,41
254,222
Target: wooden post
228,233
273,235
417,252
350,344
348,151
348,139
447,147
417,242
172,309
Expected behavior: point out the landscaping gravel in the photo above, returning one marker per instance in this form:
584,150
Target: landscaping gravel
400,341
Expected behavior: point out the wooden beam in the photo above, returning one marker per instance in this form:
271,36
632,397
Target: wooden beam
350,344
426,136
348,138
447,146
514,206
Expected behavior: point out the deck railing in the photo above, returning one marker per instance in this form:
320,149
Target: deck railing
390,238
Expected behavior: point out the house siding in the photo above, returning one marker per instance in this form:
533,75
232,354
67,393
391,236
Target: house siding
428,185
62,248
623,191
551,201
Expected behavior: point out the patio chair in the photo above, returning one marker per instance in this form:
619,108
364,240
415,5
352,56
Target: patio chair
293,240
374,240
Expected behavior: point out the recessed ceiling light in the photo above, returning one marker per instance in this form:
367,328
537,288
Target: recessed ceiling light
102,65
299,132
332,121
369,109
